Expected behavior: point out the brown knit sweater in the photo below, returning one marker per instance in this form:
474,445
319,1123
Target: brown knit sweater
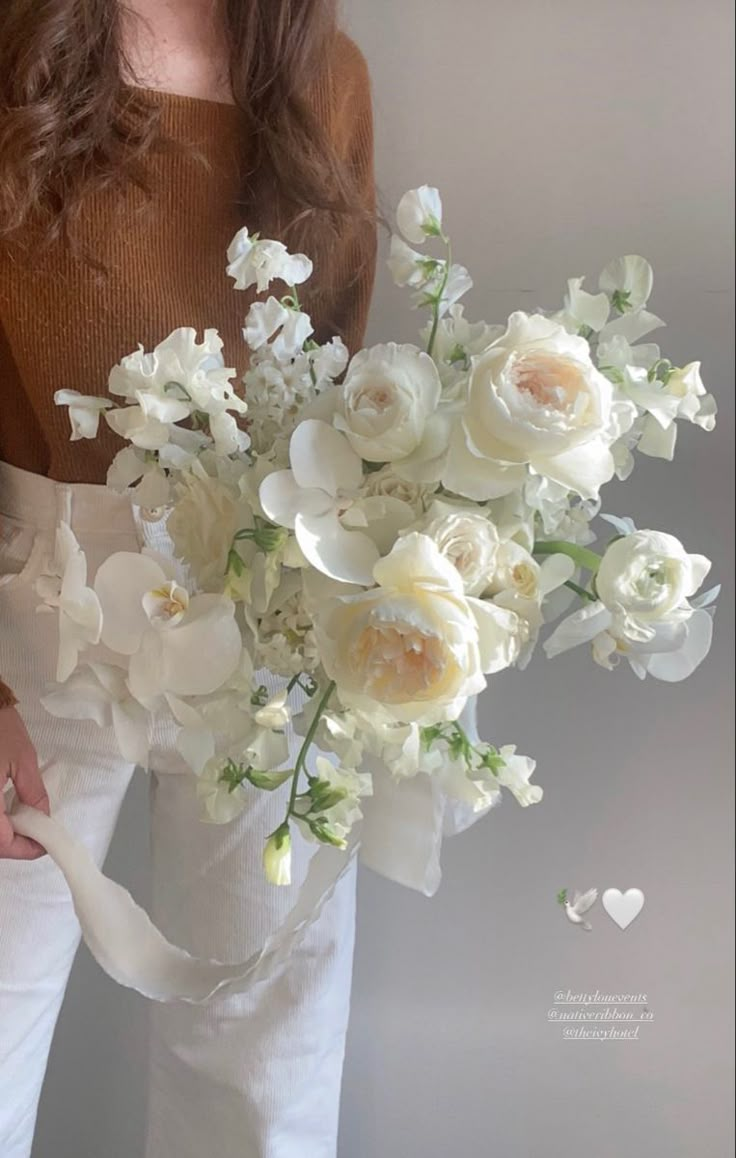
63,325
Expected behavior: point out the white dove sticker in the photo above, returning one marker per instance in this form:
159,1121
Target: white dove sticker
578,906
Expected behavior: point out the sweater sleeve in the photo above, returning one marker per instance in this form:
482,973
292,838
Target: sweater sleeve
347,271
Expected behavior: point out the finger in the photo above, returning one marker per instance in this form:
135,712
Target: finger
29,785
13,846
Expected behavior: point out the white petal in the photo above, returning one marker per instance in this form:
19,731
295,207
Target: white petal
121,582
348,556
130,722
581,627
656,442
204,650
584,469
323,458
478,478
678,665
282,499
632,326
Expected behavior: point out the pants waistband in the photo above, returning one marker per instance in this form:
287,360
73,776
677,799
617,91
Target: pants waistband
42,503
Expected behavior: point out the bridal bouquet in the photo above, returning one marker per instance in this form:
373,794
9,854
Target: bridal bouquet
380,534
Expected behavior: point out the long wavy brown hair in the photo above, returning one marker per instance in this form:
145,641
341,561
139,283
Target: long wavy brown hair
71,126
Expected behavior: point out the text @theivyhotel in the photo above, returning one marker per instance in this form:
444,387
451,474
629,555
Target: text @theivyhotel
599,1016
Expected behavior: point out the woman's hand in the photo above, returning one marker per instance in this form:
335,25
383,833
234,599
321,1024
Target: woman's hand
18,763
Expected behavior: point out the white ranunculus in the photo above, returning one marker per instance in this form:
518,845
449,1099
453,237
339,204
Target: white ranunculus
383,406
535,402
419,214
322,484
84,412
252,261
644,612
415,644
468,539
65,588
649,577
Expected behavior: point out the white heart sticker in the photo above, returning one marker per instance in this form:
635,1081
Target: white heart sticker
623,908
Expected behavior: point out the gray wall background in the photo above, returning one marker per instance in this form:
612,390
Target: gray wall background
561,135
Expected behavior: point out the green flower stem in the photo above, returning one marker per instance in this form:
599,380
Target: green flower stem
584,558
438,300
587,595
301,758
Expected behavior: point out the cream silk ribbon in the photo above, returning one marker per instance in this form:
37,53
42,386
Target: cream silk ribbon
129,947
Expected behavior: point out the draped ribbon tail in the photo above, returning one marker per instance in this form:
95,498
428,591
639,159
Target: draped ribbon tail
133,951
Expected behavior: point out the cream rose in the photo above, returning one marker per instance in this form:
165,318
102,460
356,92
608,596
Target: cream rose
468,539
415,644
535,401
388,395
649,577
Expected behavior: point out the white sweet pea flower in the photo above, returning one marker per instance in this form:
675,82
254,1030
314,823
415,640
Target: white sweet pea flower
322,484
468,539
415,644
419,214
99,692
180,377
409,268
457,340
644,583
257,262
269,318
535,403
65,588
223,800
628,282
84,412
176,644
681,396
275,714
583,310
341,815
277,857
383,406
459,283
515,773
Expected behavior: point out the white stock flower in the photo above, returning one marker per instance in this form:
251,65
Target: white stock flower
415,644
84,412
535,402
643,613
252,261
176,644
419,214
383,406
468,539
100,692
65,588
322,484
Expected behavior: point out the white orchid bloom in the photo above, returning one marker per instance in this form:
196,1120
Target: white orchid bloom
176,644
99,692
257,262
65,588
322,484
84,412
419,214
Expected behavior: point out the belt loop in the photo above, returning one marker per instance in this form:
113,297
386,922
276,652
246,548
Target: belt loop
64,503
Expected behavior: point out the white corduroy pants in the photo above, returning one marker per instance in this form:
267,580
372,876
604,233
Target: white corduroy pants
255,1075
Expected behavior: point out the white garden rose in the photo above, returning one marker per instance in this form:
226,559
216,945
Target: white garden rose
415,644
649,576
389,393
468,539
535,403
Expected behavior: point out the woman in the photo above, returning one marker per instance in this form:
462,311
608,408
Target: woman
134,143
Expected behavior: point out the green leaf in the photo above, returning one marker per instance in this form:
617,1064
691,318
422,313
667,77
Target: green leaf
562,896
